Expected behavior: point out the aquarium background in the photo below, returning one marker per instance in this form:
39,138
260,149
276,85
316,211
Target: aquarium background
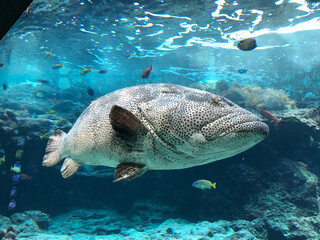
268,192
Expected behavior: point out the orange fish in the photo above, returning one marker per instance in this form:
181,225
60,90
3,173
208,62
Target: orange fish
146,72
267,115
25,177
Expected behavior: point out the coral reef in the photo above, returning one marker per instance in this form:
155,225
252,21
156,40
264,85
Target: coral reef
272,196
8,234
253,97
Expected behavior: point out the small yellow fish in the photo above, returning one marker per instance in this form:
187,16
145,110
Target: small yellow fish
45,135
3,159
85,71
204,184
27,11
57,66
48,54
51,111
39,94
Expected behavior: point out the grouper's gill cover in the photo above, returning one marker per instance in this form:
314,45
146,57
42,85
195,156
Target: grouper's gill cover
155,126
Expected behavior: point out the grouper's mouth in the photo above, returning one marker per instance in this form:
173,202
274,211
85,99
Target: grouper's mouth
250,126
235,123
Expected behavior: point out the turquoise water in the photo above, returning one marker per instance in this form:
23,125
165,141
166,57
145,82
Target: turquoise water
262,193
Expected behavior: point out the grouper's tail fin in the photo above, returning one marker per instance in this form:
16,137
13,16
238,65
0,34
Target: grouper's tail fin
53,149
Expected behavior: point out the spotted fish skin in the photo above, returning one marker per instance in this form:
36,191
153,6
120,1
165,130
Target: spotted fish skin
175,127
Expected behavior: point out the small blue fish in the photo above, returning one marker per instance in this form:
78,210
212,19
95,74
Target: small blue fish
13,192
204,184
242,70
12,204
15,179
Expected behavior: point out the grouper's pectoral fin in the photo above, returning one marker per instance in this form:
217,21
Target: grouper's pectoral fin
128,171
122,120
69,167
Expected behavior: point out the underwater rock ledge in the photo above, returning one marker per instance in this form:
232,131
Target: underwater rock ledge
278,200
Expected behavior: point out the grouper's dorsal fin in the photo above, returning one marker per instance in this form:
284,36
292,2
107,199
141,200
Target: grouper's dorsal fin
128,171
125,121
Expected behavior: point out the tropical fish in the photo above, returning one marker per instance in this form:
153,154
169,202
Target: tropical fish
102,71
16,168
21,141
51,111
12,204
242,70
25,177
85,71
204,184
146,72
15,179
267,115
57,66
247,44
4,86
45,135
19,153
153,127
13,192
48,54
27,11
90,91
42,81
38,94
3,159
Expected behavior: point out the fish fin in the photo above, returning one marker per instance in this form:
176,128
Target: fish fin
276,121
124,120
214,185
69,167
53,153
128,171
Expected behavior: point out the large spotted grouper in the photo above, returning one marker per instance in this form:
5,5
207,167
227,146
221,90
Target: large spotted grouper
154,127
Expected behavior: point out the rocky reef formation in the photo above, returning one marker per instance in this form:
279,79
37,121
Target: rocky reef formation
252,97
269,192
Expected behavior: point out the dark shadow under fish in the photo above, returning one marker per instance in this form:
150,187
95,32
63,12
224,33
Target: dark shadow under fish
247,44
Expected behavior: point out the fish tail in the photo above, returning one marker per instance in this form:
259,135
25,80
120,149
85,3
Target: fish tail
53,149
214,185
3,159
